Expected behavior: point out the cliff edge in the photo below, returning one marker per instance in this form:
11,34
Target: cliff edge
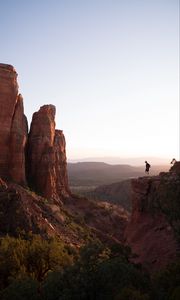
154,228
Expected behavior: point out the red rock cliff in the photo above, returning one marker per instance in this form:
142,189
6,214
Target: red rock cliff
154,226
13,127
46,165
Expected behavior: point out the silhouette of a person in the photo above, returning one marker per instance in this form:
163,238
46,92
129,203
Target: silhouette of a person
173,161
147,167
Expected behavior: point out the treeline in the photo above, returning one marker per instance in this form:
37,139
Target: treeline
32,268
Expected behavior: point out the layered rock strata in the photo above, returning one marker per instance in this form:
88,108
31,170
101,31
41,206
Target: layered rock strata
46,156
13,127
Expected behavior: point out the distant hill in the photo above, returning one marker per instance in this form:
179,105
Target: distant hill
99,173
133,161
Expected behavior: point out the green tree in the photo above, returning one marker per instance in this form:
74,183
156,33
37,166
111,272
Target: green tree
13,253
44,256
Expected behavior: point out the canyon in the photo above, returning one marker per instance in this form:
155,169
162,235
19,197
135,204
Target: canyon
35,194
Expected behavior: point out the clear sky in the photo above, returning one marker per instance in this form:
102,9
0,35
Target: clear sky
109,66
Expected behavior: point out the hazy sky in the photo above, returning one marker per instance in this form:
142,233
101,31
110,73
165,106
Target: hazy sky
109,66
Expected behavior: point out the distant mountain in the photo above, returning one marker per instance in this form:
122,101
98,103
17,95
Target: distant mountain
133,161
100,173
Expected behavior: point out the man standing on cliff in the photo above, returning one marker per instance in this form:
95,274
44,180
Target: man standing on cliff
147,167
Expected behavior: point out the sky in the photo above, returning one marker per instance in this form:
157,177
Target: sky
111,68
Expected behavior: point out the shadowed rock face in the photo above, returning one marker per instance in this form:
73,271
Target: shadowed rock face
46,158
13,127
154,227
176,168
59,147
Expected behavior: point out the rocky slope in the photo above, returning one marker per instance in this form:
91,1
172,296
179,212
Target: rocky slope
75,222
154,229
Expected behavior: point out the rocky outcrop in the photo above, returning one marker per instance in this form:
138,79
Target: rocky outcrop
175,168
45,162
153,231
13,127
46,156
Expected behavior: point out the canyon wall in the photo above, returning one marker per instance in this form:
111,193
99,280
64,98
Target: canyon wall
153,231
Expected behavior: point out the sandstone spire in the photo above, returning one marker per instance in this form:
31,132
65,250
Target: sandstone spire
13,127
46,157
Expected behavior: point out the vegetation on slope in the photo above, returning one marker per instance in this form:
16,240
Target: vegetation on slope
37,269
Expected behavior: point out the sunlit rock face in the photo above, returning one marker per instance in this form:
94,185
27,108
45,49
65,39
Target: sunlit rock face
46,155
154,227
13,127
43,158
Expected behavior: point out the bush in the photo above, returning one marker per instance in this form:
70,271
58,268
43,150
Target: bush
33,257
21,290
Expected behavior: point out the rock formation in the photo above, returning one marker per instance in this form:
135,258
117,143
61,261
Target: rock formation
38,160
46,156
45,161
175,168
154,226
13,127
